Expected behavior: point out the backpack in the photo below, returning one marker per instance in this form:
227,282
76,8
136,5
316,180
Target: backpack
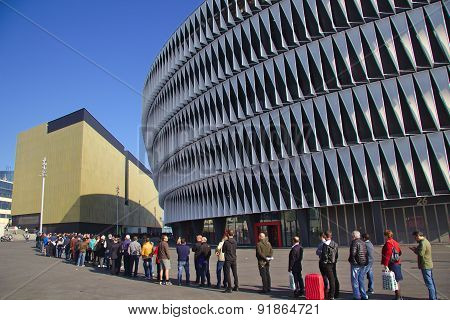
395,256
328,253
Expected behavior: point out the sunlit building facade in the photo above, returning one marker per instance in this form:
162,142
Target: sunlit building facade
297,116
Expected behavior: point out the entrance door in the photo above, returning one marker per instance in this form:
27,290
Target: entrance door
271,229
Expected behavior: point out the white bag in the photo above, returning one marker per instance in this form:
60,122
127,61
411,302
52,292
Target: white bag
389,282
291,281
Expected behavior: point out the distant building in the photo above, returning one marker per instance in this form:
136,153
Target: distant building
85,164
6,189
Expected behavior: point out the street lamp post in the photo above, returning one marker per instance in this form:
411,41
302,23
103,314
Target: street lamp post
43,175
117,212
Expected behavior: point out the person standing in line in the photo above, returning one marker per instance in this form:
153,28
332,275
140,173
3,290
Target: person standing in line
157,262
59,247
220,263
147,255
358,259
100,249
390,259
295,266
203,260
115,256
425,262
82,252
369,271
196,249
134,250
322,240
108,246
126,256
67,239
328,259
229,250
73,244
44,244
264,253
183,252
164,258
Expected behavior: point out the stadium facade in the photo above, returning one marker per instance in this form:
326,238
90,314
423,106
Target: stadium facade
297,116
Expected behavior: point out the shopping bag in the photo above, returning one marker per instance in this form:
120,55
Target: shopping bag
291,281
388,280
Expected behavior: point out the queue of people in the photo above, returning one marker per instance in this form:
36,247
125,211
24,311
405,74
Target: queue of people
114,254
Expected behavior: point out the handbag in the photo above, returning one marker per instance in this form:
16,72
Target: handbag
291,281
389,282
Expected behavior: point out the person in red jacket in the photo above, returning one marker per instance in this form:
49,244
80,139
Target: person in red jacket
390,259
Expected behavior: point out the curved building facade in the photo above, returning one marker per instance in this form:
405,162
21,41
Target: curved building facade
297,116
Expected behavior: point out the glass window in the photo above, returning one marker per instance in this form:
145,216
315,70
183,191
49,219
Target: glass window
420,220
350,218
314,226
389,220
410,223
324,219
402,237
433,229
359,216
343,231
368,219
443,223
333,223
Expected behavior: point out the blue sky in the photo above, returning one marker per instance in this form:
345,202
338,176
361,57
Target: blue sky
41,79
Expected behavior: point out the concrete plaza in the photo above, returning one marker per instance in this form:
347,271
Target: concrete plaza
25,274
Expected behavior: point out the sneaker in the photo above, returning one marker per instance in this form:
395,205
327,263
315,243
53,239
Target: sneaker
236,289
168,283
370,292
98,266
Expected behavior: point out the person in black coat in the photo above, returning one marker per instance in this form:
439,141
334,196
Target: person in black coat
115,256
229,250
295,266
196,249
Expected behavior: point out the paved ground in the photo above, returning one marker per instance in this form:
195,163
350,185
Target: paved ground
24,274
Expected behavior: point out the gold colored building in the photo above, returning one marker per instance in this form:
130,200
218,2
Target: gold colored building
85,164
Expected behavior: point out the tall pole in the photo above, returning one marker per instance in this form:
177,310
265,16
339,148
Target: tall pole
117,212
43,174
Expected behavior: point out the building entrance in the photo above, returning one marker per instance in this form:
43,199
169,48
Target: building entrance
272,230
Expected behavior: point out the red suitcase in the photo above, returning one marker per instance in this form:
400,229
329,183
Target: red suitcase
314,288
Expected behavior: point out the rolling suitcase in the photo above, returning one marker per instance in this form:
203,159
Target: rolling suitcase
314,287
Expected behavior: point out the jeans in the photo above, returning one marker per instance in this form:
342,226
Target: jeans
264,272
183,265
205,276
369,268
134,260
219,269
59,251
107,258
323,272
148,268
81,258
231,266
330,276
358,274
126,265
429,282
